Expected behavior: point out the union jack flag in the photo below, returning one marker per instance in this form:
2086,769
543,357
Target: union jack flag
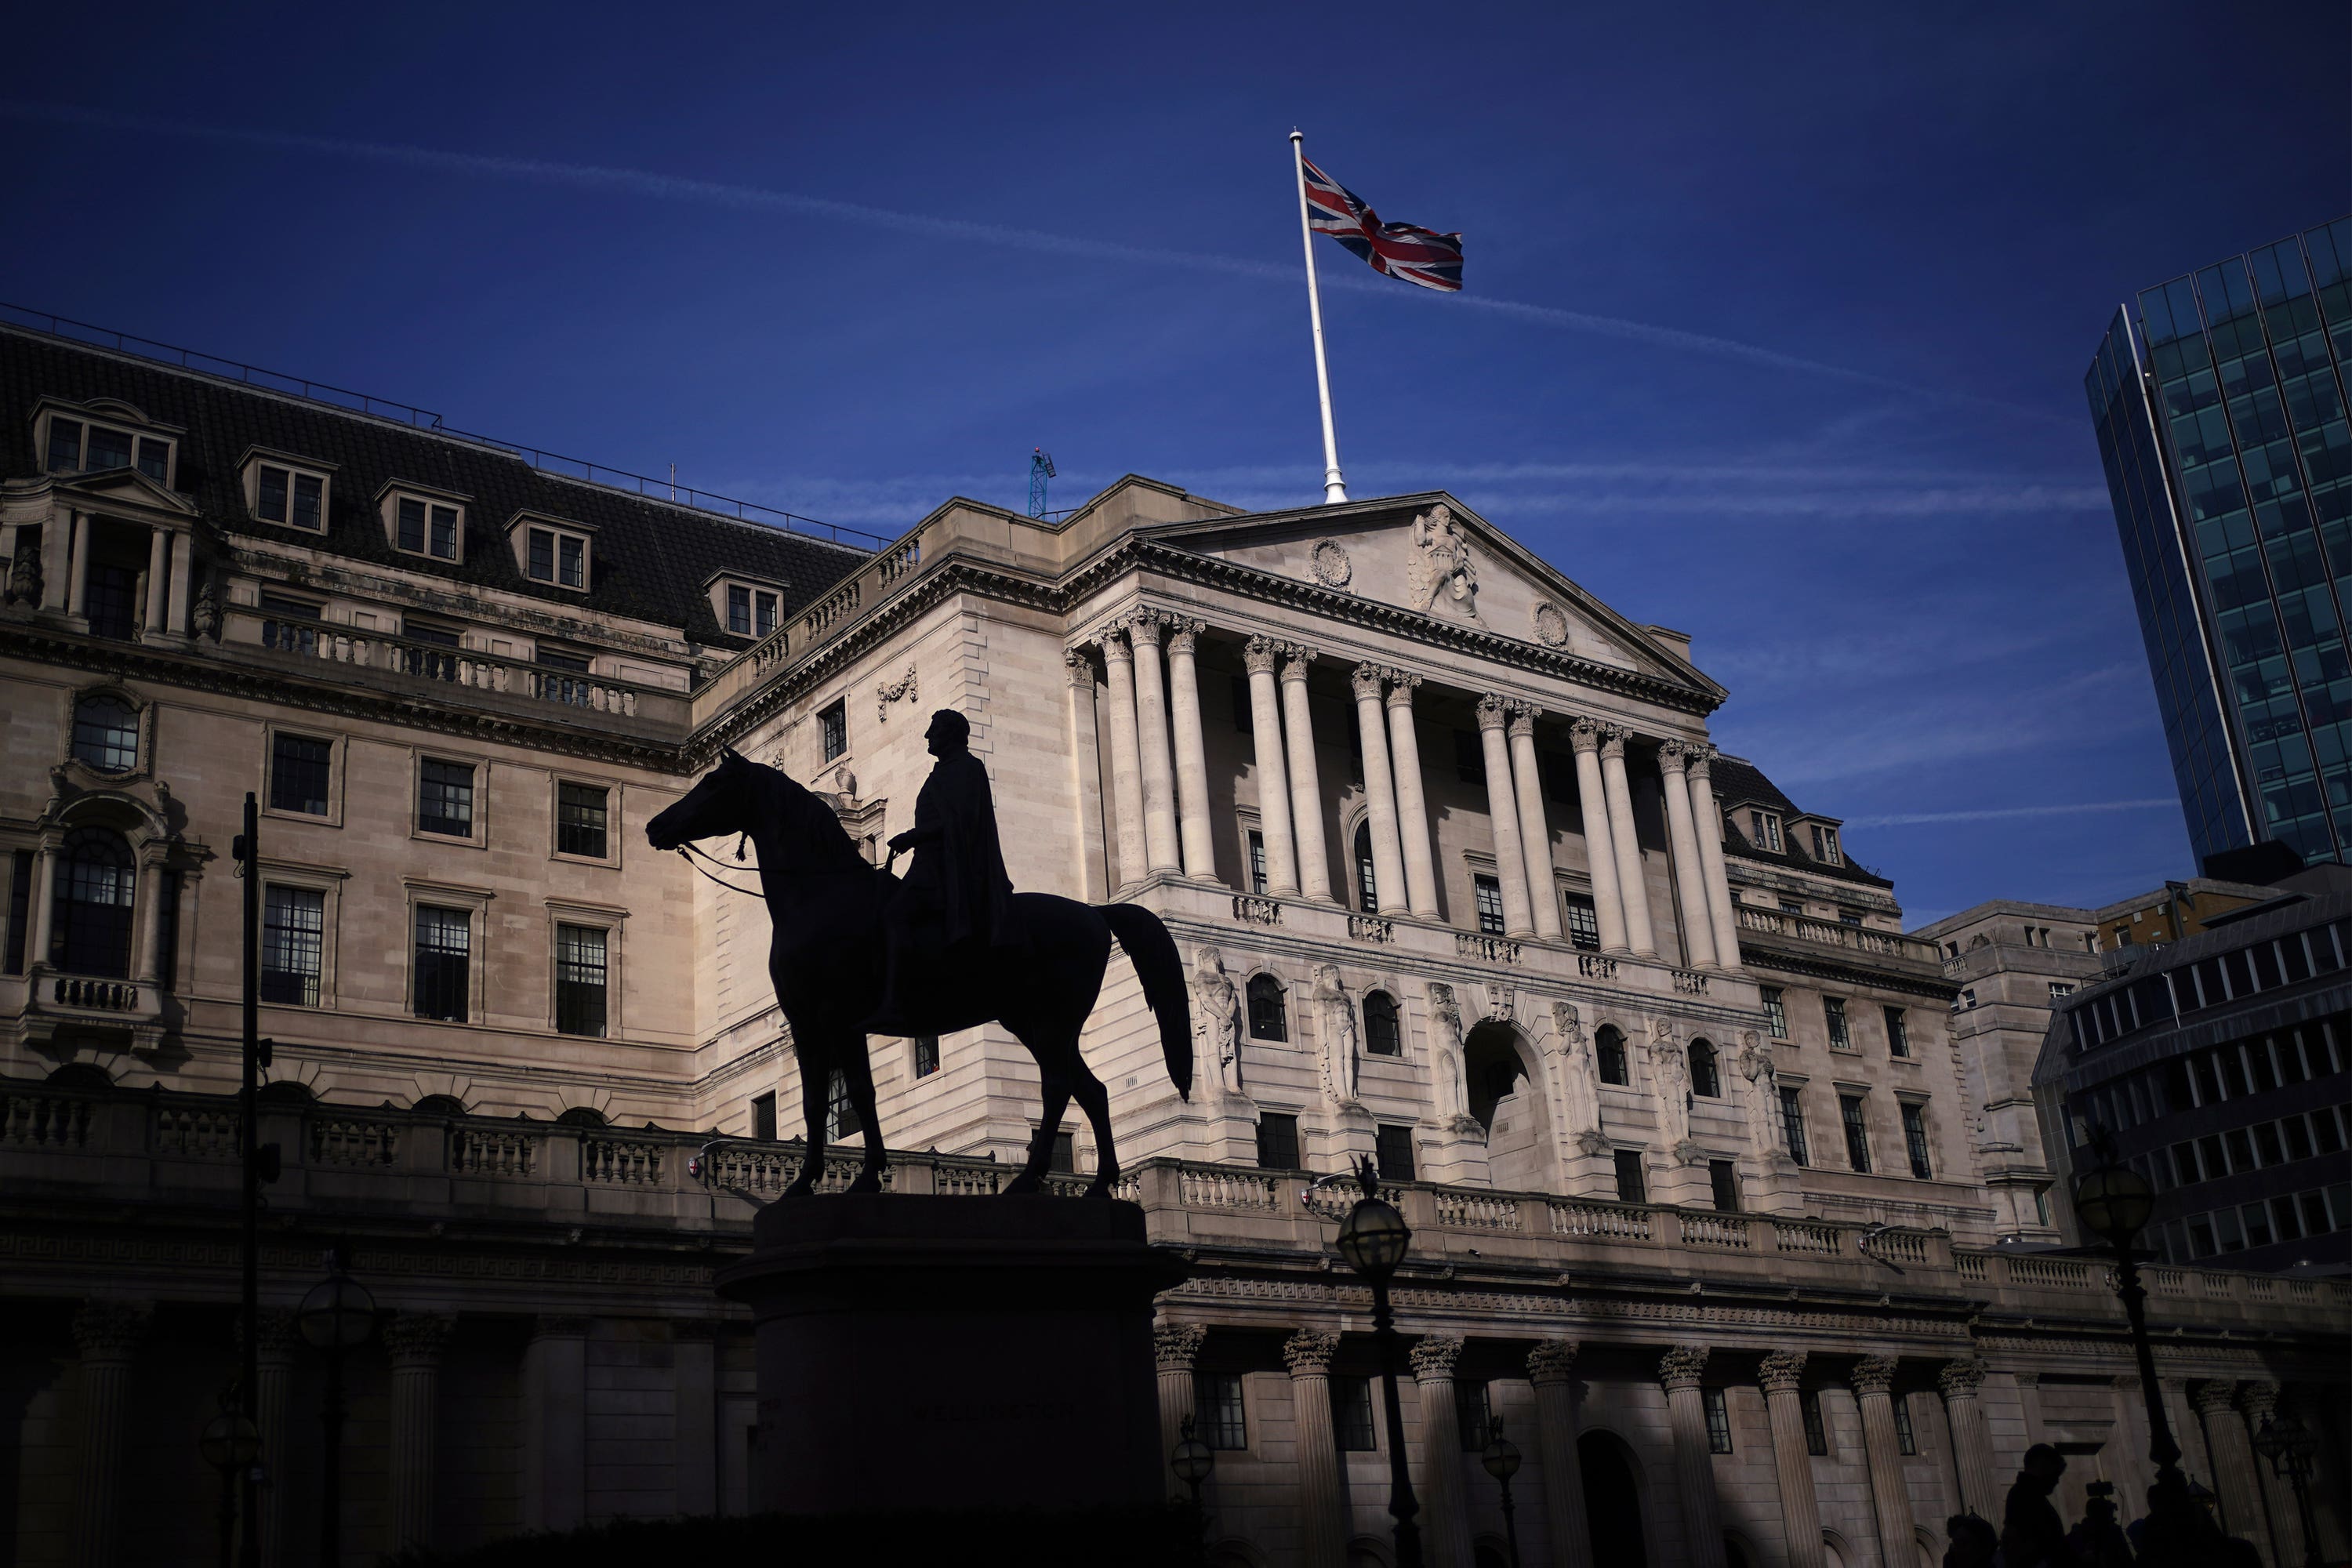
1402,250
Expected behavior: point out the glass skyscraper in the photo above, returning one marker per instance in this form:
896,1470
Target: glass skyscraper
2220,413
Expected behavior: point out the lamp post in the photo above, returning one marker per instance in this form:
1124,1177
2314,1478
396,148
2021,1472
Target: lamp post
1192,1461
337,1314
230,1444
1501,1458
2288,1445
1372,1239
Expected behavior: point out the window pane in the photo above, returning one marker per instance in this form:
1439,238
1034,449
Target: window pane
154,459
1915,1141
927,1056
272,495
1351,1413
1392,1152
89,913
1368,886
572,561
1857,1134
105,735
579,980
1719,1420
108,449
445,799
766,620
832,726
542,555
307,494
1583,923
1471,1416
111,602
580,820
411,525
738,611
443,946
64,446
1489,894
445,532
1898,1033
1776,1016
299,770
1792,1124
293,938
1723,1181
1219,1418
1610,1047
1277,1143
1267,1018
1258,862
1383,1037
1834,1013
1632,1188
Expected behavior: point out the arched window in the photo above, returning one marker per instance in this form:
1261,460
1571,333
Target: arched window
90,917
581,1116
1705,1079
1268,1020
1383,1034
105,735
1610,1047
285,1091
1368,886
439,1105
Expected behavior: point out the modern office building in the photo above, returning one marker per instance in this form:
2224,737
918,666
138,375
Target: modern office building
2218,400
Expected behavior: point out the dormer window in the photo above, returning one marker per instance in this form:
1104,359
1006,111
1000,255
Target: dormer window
1764,830
552,551
746,606
83,439
421,521
287,491
1825,845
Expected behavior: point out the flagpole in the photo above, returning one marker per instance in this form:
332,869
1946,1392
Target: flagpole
1335,487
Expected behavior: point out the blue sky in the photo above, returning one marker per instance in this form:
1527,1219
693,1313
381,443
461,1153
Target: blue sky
1775,325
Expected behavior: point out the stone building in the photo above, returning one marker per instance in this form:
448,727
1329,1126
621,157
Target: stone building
1671,1102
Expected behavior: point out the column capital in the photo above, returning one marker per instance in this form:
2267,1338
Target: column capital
1184,635
1434,1356
1143,626
1260,655
1297,658
1959,1378
1493,713
1612,743
415,1338
556,1326
1115,649
1367,680
110,1330
2214,1397
279,1335
1697,757
1782,1372
1523,717
1874,1375
1552,1361
1673,756
1400,685
1584,734
2260,1402
1681,1365
1309,1352
1078,665
1173,1345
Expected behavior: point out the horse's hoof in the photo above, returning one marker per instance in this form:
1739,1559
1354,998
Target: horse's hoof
1098,1190
797,1190
1021,1185
869,1180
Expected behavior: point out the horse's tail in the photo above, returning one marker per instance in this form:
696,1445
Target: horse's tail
1162,969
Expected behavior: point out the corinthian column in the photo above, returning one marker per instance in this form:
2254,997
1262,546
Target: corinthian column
1125,764
1782,1375
1535,833
1305,785
1503,814
158,555
1709,817
2260,1402
1690,880
1971,1441
1628,848
1085,758
1173,1347
1445,1526
1413,808
1600,839
414,1339
2234,1466
1151,732
1322,1484
1881,1448
273,1392
1679,1370
1273,777
108,1334
1379,791
1551,1367
1192,754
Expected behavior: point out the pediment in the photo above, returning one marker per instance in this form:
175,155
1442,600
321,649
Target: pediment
1429,555
126,487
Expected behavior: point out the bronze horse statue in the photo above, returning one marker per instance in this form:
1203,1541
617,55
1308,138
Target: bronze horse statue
825,900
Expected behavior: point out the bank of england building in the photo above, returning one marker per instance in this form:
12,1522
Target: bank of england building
1690,1152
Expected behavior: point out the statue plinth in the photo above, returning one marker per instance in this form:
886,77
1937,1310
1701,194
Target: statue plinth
1007,1342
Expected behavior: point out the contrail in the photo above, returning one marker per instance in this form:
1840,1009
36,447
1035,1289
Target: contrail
721,194
1909,819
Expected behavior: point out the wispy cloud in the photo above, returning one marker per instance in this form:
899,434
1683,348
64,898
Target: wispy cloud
1919,818
659,186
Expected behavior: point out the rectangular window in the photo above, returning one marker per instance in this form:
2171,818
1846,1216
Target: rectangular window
1062,1154
2257,1218
1776,1015
1723,1184
1834,1014
1849,917
1219,1419
1817,1437
1915,1141
293,944
738,610
580,974
927,1055
1793,1123
1469,758
108,449
411,514
111,602
271,494
1351,1415
445,798
1719,1420
1583,923
20,908
1825,848
1857,1133
1393,1151
1488,893
581,820
763,616
64,446
299,770
308,495
833,730
1277,1142
570,562
2058,988
841,1119
2267,1145
764,1118
441,539
1907,1441
1471,1417
1792,905
1765,831
1258,862
1632,1187
1898,1033
543,554
444,948
155,459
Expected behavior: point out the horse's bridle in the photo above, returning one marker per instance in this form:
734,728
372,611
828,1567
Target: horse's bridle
687,852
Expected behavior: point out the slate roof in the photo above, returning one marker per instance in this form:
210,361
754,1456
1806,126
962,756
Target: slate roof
651,557
1741,782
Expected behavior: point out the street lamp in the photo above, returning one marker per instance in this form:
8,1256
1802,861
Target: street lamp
1373,1238
230,1444
2288,1444
1192,1461
1501,1458
337,1315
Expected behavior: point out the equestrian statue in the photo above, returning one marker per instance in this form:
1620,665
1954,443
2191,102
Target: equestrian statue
857,951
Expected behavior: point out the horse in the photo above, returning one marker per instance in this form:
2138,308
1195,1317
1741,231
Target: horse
825,902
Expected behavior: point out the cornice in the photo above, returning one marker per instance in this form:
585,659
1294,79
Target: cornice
1785,962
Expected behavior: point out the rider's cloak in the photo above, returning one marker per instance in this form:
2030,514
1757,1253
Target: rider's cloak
963,867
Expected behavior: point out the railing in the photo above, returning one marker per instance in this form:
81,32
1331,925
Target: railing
1594,966
1621,1221
1256,909
197,1132
1252,1191
620,1162
1493,949
1690,983
345,1140
475,1151
1899,1247
1699,1229
45,1120
1468,1209
1370,928
2063,1273
1812,1238
1836,933
834,606
97,995
1972,1265
332,644
901,560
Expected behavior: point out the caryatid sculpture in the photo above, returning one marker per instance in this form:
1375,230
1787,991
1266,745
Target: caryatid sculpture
1446,1053
1580,1079
1763,1094
1216,1005
1670,1081
1335,1019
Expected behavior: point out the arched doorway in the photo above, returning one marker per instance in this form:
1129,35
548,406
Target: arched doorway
1509,1103
1613,1502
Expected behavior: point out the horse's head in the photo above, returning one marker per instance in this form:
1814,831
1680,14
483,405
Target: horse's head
719,803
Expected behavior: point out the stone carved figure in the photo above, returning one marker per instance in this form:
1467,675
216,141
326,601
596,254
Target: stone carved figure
1670,1081
24,575
1335,1019
1580,1079
208,613
1763,1093
1446,1053
1442,567
1216,1005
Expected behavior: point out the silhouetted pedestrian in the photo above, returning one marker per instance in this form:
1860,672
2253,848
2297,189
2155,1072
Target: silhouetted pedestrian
1973,1541
2032,1533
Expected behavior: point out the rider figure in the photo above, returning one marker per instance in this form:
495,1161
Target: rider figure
954,896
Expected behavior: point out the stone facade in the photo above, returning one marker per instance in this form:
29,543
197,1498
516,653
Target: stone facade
1671,1101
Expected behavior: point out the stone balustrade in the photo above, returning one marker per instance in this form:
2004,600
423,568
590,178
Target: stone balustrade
888,570
1836,933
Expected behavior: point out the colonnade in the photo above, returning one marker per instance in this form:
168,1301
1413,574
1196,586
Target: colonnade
1158,786
64,565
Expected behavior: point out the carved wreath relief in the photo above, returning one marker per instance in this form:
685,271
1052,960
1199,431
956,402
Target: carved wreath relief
1328,563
